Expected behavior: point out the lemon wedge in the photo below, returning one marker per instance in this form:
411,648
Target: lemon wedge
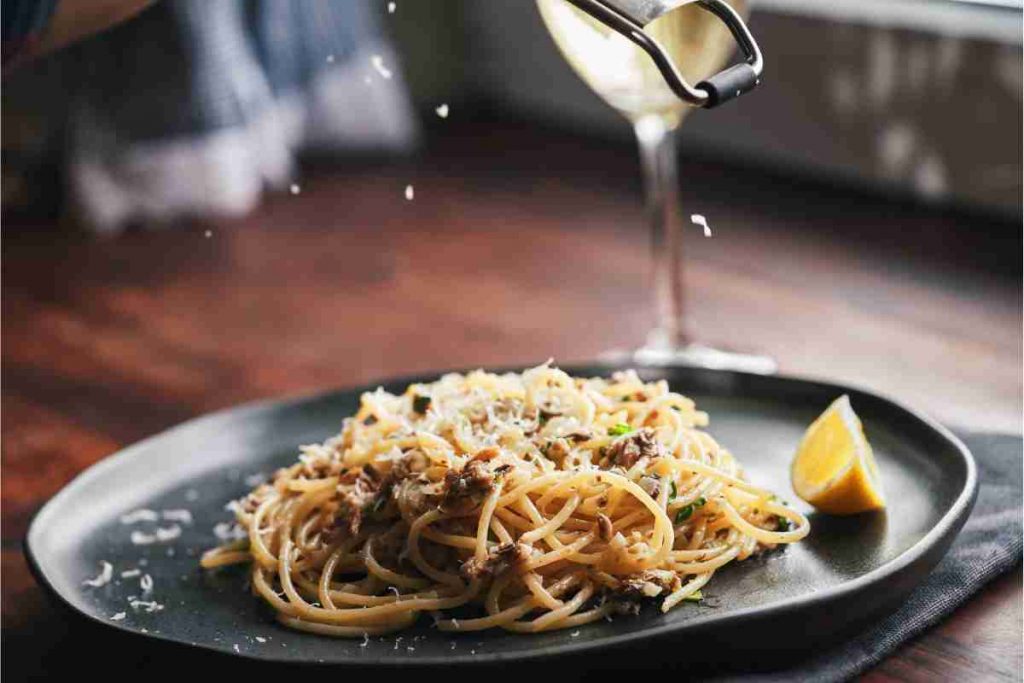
834,469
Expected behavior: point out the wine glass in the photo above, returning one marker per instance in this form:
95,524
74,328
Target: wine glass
628,79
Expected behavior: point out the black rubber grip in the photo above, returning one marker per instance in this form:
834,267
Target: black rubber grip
729,84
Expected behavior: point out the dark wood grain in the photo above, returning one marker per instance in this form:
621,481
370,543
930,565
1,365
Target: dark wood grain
520,245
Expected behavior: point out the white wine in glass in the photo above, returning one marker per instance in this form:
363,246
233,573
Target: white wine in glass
623,74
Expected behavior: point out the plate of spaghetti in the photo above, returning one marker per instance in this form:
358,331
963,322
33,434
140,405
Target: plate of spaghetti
494,516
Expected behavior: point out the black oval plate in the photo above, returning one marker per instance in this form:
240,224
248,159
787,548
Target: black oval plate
848,571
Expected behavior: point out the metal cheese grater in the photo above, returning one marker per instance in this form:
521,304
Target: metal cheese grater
629,17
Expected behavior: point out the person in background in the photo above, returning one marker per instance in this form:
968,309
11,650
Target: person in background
157,111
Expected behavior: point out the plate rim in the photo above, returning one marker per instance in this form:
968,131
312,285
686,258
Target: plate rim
951,520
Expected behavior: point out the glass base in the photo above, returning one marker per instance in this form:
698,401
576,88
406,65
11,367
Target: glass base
706,357
656,352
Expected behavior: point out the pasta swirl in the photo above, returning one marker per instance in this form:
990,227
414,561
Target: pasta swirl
528,502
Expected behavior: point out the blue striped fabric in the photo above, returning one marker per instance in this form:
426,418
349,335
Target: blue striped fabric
193,108
186,66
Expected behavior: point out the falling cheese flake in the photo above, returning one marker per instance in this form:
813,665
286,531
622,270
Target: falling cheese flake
378,64
161,535
106,573
442,111
330,59
698,219
229,531
409,194
140,516
183,516
392,7
139,538
131,573
295,189
148,606
119,616
260,639
146,583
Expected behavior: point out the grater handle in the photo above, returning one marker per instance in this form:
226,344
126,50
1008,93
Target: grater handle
729,84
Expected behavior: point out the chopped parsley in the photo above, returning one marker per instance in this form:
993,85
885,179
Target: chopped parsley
695,596
619,429
420,404
672,490
781,523
685,512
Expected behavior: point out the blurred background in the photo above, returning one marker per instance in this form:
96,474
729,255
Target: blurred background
919,99
219,201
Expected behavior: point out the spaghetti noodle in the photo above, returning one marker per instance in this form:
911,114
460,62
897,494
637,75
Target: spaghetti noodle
528,502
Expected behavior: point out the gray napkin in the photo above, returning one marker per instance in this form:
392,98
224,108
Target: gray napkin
988,545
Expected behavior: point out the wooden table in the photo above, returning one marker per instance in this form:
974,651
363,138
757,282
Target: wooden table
521,244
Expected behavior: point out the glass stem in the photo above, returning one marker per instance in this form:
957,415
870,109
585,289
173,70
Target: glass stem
661,186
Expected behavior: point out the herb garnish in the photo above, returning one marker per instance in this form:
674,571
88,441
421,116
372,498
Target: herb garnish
619,429
685,512
672,490
781,523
